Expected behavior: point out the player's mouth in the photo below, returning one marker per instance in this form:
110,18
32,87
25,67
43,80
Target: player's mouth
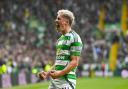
57,25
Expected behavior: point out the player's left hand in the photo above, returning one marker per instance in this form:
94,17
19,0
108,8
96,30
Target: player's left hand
56,74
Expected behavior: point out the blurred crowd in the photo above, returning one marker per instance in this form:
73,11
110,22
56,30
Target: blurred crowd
28,36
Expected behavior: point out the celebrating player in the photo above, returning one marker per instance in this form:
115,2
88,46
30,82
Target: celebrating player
68,50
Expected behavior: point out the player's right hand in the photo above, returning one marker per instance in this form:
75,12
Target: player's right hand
42,75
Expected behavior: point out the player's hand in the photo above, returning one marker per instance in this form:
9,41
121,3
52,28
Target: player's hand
56,74
43,75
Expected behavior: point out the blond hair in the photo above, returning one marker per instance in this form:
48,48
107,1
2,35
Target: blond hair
67,14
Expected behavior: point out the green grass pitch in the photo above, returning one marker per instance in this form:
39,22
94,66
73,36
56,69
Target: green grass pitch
85,83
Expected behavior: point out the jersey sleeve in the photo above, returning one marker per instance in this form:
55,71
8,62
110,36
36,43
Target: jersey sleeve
76,47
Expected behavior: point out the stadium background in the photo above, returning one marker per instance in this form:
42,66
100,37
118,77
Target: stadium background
28,36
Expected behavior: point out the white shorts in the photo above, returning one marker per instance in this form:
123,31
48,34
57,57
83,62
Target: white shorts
62,84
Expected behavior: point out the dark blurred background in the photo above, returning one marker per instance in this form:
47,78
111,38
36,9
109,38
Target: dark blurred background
28,35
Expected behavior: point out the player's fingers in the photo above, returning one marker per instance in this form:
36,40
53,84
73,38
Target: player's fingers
42,76
52,74
39,74
52,71
43,73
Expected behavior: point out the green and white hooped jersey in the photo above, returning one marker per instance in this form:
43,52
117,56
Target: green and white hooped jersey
67,45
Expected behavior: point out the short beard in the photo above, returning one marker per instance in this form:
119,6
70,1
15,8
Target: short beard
58,29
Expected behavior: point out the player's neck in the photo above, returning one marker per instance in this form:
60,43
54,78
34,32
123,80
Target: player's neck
66,30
